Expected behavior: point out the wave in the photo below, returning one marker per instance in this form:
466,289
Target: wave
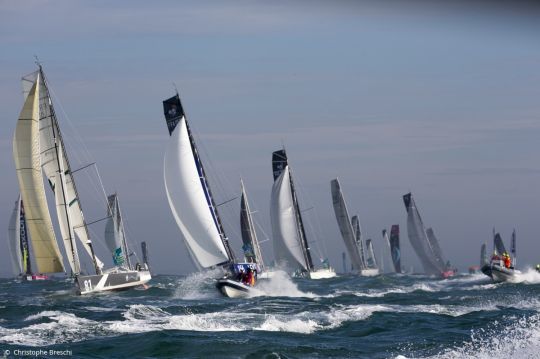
198,285
518,339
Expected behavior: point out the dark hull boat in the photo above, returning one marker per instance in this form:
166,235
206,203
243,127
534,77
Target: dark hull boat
496,268
234,289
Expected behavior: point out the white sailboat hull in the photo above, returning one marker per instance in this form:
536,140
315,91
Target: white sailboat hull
119,280
324,273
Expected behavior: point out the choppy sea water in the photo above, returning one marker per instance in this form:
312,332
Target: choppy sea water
388,316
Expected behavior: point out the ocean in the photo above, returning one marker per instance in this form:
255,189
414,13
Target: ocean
387,316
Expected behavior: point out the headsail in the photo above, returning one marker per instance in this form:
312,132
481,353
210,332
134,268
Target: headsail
252,250
290,242
115,237
189,195
345,226
358,238
418,238
394,247
27,155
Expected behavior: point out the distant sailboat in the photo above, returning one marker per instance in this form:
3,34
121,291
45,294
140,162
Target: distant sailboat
192,203
38,148
424,242
19,246
291,248
350,232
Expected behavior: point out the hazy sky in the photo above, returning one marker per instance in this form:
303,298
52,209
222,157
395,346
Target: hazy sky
440,101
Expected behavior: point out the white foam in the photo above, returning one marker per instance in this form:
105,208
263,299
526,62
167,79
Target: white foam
198,285
520,339
280,285
529,276
63,328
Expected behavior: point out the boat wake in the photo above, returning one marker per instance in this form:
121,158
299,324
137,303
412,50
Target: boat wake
279,285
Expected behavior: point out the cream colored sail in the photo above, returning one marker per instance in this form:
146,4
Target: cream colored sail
26,153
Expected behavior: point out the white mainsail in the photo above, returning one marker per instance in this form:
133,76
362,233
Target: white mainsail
345,226
27,156
287,243
14,234
58,171
189,201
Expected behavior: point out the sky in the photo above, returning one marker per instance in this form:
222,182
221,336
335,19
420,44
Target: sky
440,100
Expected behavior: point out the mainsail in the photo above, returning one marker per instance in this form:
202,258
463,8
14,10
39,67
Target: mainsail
418,238
358,238
252,250
290,243
394,247
27,151
345,226
189,194
115,236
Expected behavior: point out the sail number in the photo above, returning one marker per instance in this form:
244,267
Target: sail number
87,285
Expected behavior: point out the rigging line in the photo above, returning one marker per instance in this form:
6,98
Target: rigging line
82,150
227,201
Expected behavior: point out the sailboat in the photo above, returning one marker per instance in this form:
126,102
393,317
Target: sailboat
424,242
193,205
38,149
291,248
497,269
144,251
350,232
19,246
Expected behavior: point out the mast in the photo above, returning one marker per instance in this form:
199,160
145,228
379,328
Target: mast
65,171
280,161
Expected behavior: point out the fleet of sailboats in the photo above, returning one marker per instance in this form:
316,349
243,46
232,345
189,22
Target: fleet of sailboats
39,153
41,157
